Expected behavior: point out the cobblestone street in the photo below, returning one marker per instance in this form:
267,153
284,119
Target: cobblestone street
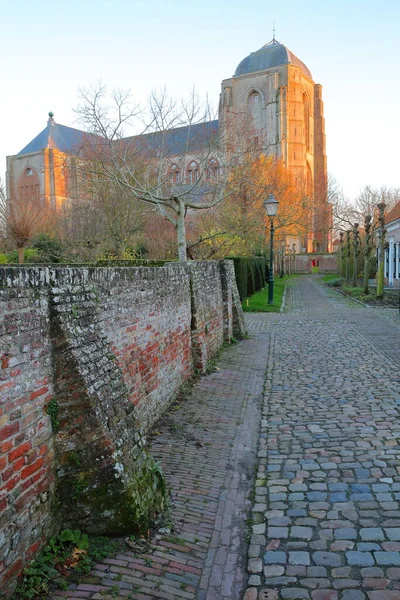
324,523
326,513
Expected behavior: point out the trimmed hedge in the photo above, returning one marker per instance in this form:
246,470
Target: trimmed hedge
251,274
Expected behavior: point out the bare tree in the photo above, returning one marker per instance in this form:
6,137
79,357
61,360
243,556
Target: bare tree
176,164
22,219
102,219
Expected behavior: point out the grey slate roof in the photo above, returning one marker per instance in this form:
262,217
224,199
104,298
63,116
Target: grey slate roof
175,141
56,136
271,55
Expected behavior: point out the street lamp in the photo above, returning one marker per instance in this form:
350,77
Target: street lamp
271,207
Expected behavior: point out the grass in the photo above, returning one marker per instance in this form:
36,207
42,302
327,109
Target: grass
330,277
259,301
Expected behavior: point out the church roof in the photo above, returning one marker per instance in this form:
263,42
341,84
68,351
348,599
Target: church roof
271,55
55,136
175,141
190,138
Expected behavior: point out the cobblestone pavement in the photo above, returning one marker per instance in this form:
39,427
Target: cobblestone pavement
326,517
207,445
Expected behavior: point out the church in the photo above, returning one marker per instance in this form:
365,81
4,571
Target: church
271,84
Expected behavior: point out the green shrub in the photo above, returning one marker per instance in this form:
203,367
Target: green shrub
3,259
250,273
335,282
30,256
49,250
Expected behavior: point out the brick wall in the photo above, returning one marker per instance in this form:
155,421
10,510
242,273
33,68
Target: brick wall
328,263
113,346
26,443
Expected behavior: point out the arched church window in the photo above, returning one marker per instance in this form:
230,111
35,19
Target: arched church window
306,105
28,172
192,174
254,103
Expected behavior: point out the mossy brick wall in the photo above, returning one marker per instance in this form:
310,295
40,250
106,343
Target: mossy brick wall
207,323
26,442
112,346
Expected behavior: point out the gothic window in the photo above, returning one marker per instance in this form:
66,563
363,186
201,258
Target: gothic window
306,105
28,172
254,103
192,174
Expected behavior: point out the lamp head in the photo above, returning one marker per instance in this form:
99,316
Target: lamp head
271,206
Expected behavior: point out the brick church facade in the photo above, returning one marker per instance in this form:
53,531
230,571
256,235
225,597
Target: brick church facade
286,108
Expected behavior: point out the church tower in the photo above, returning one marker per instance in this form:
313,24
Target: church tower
277,91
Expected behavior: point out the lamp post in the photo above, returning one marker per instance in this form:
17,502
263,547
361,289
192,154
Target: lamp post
271,206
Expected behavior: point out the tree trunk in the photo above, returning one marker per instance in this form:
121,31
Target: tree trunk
366,273
381,269
21,255
181,231
354,267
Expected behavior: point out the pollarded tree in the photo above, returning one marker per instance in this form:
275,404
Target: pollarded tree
176,165
22,219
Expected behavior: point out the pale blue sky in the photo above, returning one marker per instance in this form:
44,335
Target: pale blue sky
49,49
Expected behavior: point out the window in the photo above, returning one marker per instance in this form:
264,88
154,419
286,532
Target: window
175,174
28,172
255,107
192,172
213,170
306,105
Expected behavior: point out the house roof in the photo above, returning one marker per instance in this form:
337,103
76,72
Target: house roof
175,141
273,54
394,214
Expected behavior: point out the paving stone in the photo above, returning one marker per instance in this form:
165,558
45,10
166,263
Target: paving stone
255,565
272,557
387,558
347,533
360,559
344,584
326,559
383,595
274,570
299,558
324,595
301,532
353,595
250,594
295,594
393,533
317,572
371,533
372,572
368,547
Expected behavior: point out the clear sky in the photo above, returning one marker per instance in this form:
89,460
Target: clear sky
352,47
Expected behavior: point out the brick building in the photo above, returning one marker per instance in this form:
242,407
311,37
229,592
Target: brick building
271,85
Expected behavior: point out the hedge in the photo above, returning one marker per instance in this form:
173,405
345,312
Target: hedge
251,274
